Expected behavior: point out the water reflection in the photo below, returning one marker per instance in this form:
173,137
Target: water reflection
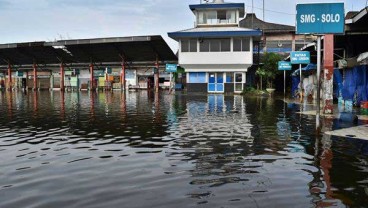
142,149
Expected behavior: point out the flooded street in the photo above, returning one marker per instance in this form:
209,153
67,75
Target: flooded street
148,150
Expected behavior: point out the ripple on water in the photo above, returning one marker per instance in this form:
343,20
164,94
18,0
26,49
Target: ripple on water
104,150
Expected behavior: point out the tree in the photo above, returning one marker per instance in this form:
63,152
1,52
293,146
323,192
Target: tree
269,69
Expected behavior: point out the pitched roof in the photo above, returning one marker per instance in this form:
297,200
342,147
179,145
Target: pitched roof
351,14
251,21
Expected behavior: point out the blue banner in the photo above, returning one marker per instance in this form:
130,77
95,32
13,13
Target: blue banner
322,18
300,57
284,66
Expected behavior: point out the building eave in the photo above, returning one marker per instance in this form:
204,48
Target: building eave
250,33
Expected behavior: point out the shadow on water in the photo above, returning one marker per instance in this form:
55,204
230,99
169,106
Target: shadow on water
145,149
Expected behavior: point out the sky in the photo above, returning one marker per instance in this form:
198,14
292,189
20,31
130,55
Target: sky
49,20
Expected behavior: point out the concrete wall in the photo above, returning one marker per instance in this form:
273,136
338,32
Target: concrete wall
195,87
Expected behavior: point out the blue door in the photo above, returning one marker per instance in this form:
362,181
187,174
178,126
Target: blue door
216,82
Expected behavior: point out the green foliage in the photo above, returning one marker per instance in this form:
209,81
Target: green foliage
269,70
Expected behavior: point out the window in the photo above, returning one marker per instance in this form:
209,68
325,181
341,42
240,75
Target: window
184,46
238,77
197,77
189,45
229,77
215,45
211,17
217,17
221,16
231,16
241,44
225,45
204,45
193,45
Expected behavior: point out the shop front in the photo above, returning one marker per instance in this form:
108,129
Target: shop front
43,80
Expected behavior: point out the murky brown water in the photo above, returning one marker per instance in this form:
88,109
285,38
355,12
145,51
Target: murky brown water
147,150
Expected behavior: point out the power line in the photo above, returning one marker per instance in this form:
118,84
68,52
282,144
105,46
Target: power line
273,11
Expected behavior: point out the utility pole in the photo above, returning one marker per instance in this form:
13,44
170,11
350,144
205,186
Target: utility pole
263,10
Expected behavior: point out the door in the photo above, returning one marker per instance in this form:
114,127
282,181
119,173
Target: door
216,82
239,85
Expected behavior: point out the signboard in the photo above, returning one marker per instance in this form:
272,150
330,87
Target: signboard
171,68
19,74
155,70
98,73
323,18
300,57
68,73
284,66
108,70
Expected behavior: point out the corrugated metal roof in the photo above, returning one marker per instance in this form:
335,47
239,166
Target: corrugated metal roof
101,50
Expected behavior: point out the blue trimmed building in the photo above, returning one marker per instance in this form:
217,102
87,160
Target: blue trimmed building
216,53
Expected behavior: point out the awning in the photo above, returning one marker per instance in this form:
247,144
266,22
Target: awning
309,67
133,50
363,57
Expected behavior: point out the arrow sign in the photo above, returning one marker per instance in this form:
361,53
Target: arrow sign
284,66
300,57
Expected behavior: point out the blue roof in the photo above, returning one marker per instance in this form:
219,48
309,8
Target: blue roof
240,6
175,35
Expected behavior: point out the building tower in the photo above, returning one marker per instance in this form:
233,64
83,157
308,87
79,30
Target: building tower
216,53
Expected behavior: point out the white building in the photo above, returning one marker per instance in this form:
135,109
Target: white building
217,53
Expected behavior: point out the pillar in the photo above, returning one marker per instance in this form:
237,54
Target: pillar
27,76
157,76
9,78
34,76
123,76
92,77
293,42
328,59
62,77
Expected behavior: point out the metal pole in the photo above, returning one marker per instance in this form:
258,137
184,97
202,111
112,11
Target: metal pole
301,82
318,124
284,83
263,10
170,80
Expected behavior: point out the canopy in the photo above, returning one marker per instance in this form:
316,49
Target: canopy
309,67
133,50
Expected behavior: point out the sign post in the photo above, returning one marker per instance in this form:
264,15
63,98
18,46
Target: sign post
300,57
320,19
171,68
284,66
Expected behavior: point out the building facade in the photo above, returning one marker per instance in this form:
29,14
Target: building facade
216,53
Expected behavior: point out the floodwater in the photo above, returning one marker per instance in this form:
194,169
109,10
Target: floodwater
150,150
